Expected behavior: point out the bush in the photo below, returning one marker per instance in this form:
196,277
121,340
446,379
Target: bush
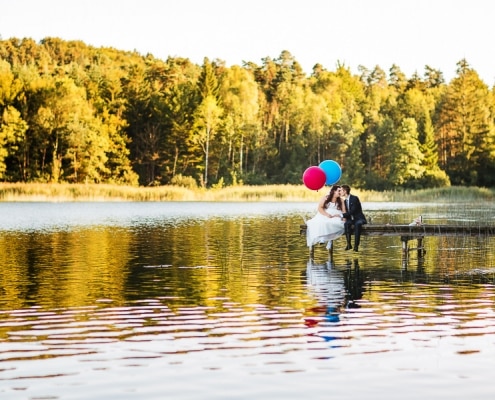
184,181
435,179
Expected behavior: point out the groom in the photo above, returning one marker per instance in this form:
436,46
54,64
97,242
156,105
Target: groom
353,216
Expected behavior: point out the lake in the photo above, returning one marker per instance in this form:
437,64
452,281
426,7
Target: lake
215,301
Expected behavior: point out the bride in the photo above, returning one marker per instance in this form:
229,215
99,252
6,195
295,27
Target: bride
328,223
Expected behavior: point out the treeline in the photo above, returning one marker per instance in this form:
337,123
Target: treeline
73,113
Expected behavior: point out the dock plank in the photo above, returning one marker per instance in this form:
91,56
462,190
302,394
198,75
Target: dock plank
418,233
415,231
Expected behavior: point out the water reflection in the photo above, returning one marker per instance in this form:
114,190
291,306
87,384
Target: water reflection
336,289
63,268
154,300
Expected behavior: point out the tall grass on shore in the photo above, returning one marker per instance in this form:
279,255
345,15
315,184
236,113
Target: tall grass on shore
10,192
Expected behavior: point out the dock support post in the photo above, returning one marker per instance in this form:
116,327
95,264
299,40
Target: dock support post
421,249
405,248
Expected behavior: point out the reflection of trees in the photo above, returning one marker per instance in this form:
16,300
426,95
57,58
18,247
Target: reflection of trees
200,261
197,262
62,269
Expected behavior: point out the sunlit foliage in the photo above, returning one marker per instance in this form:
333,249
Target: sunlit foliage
72,113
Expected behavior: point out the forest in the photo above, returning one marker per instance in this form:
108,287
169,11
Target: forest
73,113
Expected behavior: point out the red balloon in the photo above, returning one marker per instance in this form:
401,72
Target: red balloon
314,178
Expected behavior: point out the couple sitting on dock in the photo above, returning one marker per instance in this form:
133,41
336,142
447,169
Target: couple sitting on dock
337,213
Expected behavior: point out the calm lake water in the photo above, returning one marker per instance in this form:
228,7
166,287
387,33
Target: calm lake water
221,301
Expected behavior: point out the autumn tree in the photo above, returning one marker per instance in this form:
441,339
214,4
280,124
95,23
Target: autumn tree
465,130
239,94
207,117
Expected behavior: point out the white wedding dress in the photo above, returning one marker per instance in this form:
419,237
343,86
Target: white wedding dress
321,229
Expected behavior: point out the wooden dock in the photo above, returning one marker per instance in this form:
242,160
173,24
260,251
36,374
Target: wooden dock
419,232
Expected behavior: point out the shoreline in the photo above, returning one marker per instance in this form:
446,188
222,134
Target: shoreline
49,192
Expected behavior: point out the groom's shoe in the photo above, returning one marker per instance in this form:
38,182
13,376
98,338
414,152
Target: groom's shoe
348,247
356,249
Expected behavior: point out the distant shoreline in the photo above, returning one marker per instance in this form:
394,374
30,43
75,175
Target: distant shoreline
49,192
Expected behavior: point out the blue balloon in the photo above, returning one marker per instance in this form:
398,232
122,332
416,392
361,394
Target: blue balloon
332,171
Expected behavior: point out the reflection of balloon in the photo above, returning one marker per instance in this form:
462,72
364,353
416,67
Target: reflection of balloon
332,171
314,178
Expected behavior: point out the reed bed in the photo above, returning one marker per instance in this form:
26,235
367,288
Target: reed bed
18,192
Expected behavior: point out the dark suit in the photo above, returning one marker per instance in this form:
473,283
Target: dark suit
354,216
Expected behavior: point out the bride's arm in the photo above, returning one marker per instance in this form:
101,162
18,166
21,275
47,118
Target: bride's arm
324,212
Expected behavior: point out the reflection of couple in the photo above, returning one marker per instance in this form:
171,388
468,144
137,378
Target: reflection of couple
334,289
335,217
326,285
